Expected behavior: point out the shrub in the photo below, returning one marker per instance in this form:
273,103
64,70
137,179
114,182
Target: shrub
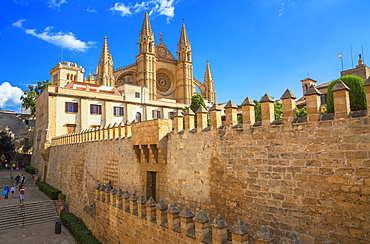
49,190
357,93
31,170
78,229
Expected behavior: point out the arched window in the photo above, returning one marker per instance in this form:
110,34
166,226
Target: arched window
67,76
138,117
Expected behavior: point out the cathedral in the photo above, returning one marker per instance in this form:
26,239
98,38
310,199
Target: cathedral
165,77
156,86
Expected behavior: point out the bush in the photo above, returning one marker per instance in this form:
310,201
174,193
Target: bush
31,170
357,94
78,229
49,190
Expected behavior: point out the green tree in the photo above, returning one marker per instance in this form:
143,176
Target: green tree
357,94
29,96
257,111
196,102
301,112
6,145
278,109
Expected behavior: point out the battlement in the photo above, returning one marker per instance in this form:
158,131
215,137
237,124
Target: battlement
171,222
185,123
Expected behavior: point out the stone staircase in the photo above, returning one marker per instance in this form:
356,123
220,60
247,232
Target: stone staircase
27,214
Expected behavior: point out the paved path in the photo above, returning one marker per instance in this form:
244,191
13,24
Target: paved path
43,233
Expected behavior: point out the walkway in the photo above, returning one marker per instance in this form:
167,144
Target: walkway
43,233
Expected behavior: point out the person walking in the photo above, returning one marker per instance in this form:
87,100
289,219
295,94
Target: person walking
13,190
17,178
23,179
21,195
6,191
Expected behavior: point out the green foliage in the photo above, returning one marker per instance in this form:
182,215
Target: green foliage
257,111
196,102
357,94
240,119
49,190
301,112
31,170
62,196
278,109
29,96
6,145
78,229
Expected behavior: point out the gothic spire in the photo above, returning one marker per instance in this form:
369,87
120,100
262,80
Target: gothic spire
146,38
105,55
209,84
104,71
183,46
208,74
146,29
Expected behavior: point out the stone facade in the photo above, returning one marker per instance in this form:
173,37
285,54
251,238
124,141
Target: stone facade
304,179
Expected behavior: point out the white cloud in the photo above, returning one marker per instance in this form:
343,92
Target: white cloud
56,3
19,23
120,7
161,7
91,10
60,39
9,95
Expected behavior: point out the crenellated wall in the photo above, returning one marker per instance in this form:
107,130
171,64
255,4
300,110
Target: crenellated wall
308,177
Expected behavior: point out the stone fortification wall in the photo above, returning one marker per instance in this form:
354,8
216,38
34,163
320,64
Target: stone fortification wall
309,177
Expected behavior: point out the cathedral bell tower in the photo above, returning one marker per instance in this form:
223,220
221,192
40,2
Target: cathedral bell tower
146,60
184,69
209,84
104,70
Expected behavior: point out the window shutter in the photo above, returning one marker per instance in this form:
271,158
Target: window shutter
66,107
159,115
75,107
114,111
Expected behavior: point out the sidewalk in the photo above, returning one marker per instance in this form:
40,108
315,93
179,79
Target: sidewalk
43,233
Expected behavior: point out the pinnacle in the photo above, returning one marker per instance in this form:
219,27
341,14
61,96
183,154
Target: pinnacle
312,90
288,94
219,222
266,98
201,217
248,101
202,110
216,107
231,104
340,86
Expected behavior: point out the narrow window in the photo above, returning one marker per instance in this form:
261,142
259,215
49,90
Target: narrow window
95,109
156,114
71,107
151,186
137,94
118,111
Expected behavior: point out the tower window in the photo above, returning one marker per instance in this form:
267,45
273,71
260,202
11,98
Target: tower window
95,109
71,107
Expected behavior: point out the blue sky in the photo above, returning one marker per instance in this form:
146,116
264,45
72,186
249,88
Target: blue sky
254,46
